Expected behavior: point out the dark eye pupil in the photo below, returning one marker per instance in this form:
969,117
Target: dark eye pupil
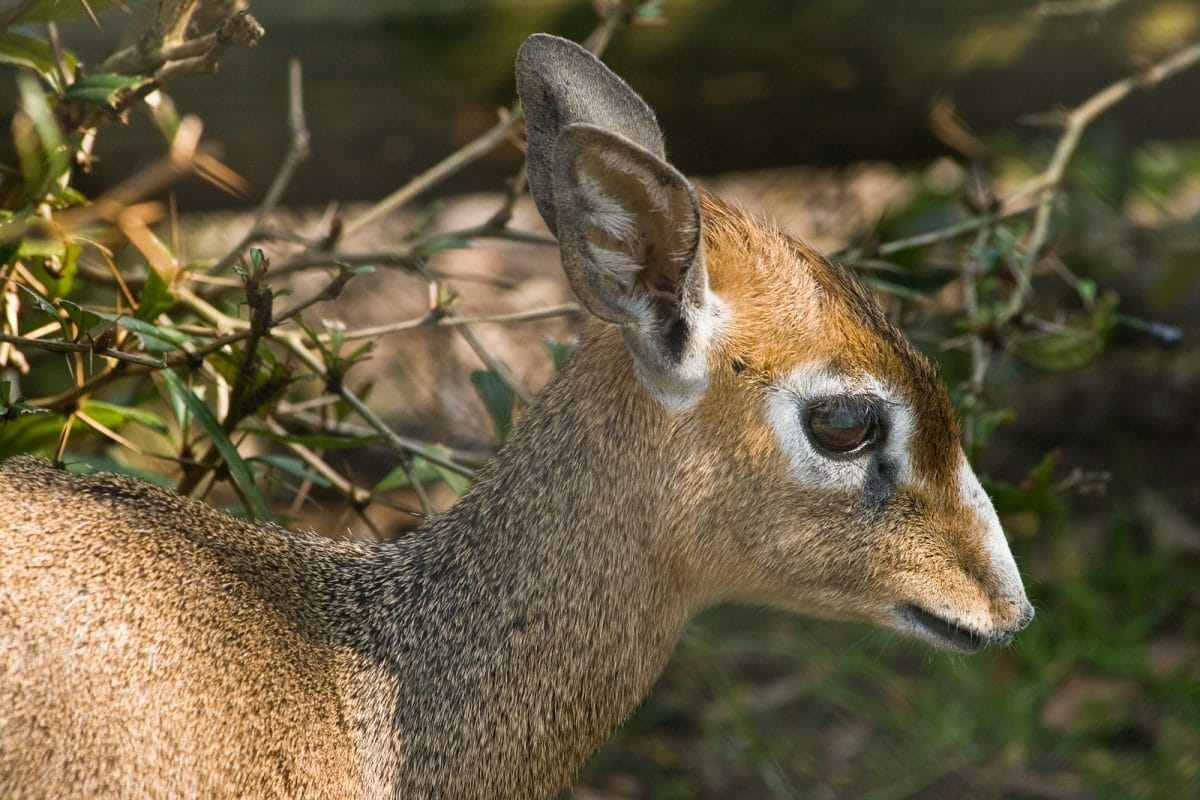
841,426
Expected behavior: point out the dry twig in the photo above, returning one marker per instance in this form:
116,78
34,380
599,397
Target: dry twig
1046,184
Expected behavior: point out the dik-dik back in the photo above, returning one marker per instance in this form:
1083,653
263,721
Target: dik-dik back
740,422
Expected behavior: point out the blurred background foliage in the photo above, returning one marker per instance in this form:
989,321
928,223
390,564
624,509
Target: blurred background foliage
912,140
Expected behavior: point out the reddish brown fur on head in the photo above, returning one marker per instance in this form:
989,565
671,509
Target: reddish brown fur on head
795,306
927,543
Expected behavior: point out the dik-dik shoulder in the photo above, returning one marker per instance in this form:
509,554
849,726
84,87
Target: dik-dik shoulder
146,631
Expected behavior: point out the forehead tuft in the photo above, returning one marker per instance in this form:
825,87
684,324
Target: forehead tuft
792,306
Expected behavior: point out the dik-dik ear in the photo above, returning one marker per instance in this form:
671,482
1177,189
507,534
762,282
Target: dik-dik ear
628,223
561,84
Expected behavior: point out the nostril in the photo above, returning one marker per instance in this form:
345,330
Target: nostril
1003,637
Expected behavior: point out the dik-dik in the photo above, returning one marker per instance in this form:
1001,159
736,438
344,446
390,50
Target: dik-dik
739,423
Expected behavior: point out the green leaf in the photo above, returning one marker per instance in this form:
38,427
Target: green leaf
36,245
12,406
560,353
239,470
497,398
81,464
1087,290
30,159
1074,347
32,433
292,466
987,422
163,113
1043,472
1061,352
457,483
102,89
123,414
156,297
649,10
444,242
45,306
892,287
424,471
50,137
70,196
59,285
153,338
84,318
25,51
1034,493
398,478
42,303
318,441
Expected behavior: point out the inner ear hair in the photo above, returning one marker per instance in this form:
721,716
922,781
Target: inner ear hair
629,228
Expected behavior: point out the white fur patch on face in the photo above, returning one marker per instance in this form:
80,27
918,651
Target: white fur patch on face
975,498
814,381
679,386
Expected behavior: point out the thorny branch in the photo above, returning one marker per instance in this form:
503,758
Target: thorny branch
1044,189
1046,184
164,50
173,52
163,54
614,14
315,254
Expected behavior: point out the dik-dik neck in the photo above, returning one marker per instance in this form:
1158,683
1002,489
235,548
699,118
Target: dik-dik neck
544,605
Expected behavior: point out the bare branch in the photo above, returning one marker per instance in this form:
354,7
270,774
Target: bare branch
163,52
491,362
402,445
355,495
59,346
615,14
1046,184
944,234
434,320
298,152
499,133
181,159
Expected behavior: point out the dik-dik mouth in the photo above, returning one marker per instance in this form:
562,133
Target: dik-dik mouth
941,630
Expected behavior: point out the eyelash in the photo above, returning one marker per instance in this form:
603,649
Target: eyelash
869,408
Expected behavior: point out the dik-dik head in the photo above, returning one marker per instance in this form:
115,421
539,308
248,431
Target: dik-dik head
814,459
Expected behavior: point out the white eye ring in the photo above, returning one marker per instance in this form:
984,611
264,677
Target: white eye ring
788,405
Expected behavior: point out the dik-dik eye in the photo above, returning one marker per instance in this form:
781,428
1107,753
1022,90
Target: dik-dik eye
841,425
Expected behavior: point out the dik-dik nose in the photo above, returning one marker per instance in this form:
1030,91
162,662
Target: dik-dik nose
1006,631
